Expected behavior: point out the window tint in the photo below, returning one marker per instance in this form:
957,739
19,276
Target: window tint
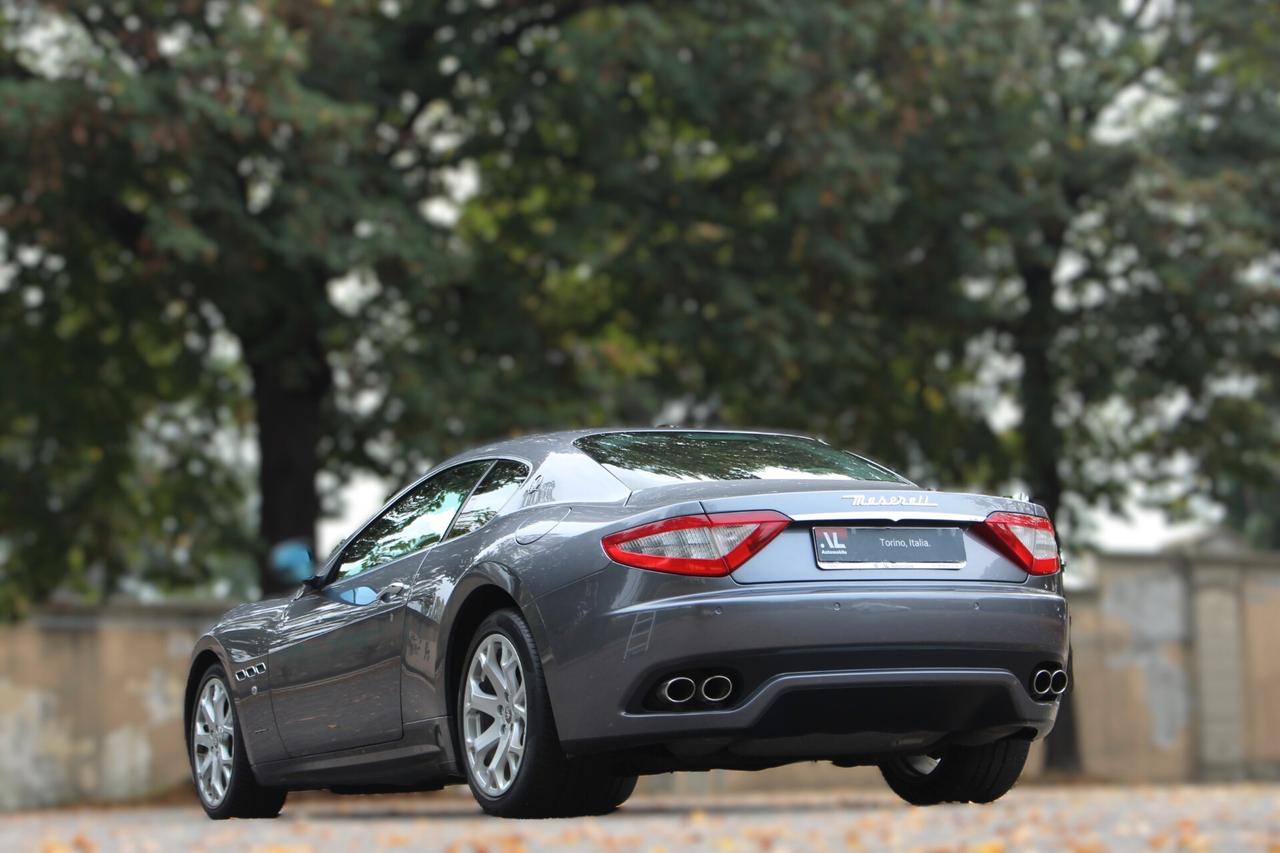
644,459
415,521
502,481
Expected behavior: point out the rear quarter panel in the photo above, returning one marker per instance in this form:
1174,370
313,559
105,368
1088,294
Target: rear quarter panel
526,554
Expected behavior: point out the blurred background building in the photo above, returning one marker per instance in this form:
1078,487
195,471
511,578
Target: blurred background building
261,263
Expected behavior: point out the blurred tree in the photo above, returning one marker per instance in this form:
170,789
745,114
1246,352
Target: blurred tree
1110,273
206,201
1225,131
858,218
716,210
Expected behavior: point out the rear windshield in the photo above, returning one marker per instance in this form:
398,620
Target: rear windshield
644,459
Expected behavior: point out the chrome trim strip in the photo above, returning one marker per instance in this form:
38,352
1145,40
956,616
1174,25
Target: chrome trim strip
887,565
896,514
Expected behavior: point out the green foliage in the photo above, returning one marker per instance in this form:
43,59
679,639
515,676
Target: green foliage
180,186
1224,136
990,244
878,221
714,206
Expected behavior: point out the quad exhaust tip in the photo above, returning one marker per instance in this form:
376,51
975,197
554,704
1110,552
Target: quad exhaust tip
716,688
1049,682
1042,681
1058,685
677,690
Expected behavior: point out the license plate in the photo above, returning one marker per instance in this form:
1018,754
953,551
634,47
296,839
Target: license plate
888,547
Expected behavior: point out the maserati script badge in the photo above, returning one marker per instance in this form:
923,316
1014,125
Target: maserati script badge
889,500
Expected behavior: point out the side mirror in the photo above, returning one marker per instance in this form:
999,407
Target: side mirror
293,561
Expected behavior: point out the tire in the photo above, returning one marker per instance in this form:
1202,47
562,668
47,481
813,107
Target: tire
961,774
241,795
543,783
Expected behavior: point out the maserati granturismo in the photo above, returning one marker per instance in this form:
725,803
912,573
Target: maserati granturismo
547,618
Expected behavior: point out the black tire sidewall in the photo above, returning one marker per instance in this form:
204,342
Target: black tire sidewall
979,774
921,789
541,746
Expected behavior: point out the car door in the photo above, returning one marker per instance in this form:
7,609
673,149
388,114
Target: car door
423,696
336,664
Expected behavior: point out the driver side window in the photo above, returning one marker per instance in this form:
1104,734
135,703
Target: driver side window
417,520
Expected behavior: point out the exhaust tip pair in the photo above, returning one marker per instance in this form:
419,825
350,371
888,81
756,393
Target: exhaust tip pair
1049,682
681,689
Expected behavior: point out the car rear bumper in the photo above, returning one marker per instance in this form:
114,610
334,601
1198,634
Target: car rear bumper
820,671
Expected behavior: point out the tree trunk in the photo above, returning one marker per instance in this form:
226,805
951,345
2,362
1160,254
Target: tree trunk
1041,438
289,392
1042,443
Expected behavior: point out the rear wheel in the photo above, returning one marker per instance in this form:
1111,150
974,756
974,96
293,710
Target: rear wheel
507,736
224,780
960,774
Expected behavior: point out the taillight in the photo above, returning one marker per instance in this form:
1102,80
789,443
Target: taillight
1028,540
706,545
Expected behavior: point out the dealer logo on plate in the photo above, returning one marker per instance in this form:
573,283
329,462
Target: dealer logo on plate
833,540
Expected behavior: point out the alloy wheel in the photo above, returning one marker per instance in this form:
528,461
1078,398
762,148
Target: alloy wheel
213,742
494,715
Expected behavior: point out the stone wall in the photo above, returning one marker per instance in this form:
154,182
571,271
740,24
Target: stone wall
1132,660
91,703
1177,668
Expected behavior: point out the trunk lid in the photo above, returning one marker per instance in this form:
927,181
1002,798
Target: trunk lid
882,529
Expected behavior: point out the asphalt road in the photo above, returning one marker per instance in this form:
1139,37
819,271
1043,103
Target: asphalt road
1238,817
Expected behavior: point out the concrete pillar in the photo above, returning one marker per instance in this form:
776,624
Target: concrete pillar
1219,672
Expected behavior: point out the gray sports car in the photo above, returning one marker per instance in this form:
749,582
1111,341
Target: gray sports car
548,618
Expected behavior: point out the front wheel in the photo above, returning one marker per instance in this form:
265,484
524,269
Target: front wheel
957,774
224,780
507,736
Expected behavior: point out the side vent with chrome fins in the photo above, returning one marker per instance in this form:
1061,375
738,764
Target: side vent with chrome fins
251,671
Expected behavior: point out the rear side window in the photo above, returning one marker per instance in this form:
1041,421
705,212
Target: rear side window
644,459
497,487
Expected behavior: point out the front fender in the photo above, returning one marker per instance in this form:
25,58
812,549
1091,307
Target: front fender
250,693
207,652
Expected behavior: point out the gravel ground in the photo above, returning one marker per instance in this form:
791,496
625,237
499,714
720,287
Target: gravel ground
1228,817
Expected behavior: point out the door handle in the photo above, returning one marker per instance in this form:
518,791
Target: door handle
393,591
